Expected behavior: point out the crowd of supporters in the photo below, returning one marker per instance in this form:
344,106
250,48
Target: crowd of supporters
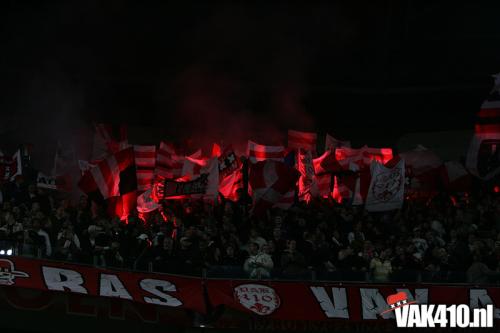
446,239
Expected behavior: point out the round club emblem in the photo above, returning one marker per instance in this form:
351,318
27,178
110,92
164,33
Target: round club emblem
260,299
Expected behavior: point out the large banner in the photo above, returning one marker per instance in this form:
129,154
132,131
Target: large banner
247,300
156,289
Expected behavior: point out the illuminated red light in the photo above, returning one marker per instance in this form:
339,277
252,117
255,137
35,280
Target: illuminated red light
496,189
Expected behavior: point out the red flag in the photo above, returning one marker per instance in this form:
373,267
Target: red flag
216,150
302,140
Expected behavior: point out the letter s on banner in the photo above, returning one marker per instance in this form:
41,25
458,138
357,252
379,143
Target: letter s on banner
159,288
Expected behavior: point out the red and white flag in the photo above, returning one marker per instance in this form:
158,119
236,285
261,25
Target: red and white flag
145,161
272,183
326,163
363,156
230,174
257,152
84,166
145,202
168,163
193,164
331,143
306,169
230,185
113,176
483,156
386,191
322,185
16,167
302,140
108,139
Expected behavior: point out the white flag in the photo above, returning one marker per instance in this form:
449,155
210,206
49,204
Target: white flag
386,190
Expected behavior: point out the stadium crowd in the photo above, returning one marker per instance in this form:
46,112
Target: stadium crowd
441,240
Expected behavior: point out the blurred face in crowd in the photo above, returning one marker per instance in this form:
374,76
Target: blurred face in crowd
83,202
278,220
253,249
185,243
254,233
6,206
32,189
277,233
36,225
168,243
228,209
230,251
35,207
271,246
292,245
265,249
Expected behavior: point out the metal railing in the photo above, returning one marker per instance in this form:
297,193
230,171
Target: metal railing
237,272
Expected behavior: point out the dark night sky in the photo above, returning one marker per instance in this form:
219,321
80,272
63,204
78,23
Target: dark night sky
347,67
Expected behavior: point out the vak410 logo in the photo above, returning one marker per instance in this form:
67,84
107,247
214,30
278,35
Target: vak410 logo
410,314
260,299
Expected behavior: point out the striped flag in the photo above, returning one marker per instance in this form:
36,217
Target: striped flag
302,140
168,163
145,161
257,152
483,156
112,177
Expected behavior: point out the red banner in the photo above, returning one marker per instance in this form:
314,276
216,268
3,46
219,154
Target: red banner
326,301
254,300
156,289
